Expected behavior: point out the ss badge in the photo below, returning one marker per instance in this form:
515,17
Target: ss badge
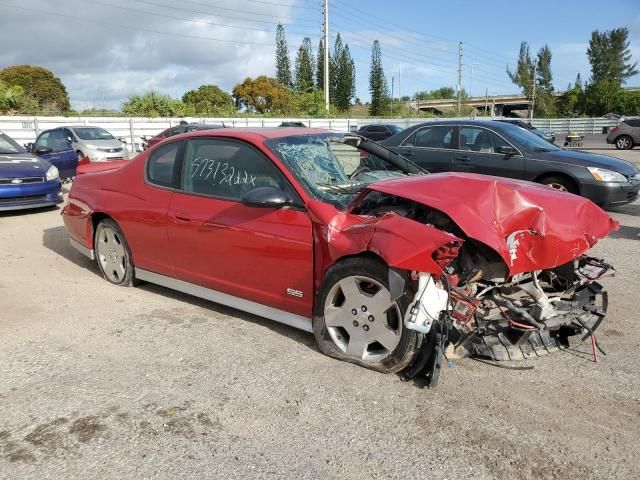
294,293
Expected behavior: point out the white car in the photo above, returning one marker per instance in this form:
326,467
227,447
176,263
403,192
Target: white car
96,143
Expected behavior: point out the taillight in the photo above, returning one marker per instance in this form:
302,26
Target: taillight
444,255
614,129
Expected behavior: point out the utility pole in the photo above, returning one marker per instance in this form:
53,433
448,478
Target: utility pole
533,96
459,76
471,81
399,74
486,102
326,55
393,79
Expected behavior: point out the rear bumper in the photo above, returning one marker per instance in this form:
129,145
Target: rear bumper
611,194
21,197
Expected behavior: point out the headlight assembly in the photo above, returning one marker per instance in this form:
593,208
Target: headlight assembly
52,173
604,175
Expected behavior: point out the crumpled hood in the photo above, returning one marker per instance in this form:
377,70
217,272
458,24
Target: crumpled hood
532,227
22,165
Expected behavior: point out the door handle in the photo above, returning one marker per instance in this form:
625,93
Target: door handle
463,158
181,218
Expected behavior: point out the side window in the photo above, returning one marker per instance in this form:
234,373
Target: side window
228,169
175,131
58,141
68,134
431,137
480,140
161,166
43,140
633,123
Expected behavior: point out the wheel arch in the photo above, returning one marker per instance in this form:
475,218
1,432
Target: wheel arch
96,218
559,174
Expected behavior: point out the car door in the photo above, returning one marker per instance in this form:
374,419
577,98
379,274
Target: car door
61,155
264,255
145,216
431,147
479,152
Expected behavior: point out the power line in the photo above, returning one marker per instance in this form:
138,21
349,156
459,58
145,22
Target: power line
275,4
417,35
279,17
203,22
403,54
409,52
135,28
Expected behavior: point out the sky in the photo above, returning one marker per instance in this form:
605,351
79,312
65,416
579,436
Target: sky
106,50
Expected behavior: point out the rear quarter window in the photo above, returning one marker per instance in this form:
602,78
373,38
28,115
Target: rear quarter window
162,165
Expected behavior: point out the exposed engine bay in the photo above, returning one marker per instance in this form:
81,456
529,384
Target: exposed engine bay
477,307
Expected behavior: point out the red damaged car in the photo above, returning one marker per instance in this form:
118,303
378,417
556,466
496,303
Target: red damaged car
391,268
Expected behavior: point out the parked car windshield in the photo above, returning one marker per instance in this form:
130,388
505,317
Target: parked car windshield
328,168
527,139
394,129
9,146
92,133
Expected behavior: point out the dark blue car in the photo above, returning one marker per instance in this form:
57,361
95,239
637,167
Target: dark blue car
55,147
26,181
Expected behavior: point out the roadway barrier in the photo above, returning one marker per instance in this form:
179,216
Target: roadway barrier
25,129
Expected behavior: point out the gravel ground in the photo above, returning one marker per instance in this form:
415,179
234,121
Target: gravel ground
98,381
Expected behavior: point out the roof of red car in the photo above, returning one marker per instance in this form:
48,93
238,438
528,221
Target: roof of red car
267,133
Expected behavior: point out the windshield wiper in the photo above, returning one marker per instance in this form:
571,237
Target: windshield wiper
3,152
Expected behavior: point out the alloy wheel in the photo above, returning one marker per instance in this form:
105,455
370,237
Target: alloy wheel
362,320
623,143
111,254
558,186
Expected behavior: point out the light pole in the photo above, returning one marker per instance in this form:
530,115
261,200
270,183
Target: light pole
471,79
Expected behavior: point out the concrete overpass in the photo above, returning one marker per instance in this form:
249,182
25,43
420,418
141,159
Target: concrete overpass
501,105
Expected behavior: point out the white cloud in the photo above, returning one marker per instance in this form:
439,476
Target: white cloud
104,60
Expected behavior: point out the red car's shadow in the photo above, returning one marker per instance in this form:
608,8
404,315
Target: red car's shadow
57,240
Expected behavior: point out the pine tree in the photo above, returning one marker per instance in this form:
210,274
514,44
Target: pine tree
283,66
523,76
334,67
545,101
578,83
345,76
610,57
320,67
377,83
304,66
543,71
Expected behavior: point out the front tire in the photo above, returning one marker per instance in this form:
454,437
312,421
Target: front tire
624,142
113,255
355,319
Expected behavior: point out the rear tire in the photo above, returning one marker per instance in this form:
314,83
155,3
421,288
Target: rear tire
624,142
113,255
560,183
356,321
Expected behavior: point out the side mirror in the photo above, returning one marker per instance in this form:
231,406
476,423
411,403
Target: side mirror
122,139
507,150
28,147
267,197
43,150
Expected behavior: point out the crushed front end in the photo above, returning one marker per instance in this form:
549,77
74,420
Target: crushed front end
517,281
